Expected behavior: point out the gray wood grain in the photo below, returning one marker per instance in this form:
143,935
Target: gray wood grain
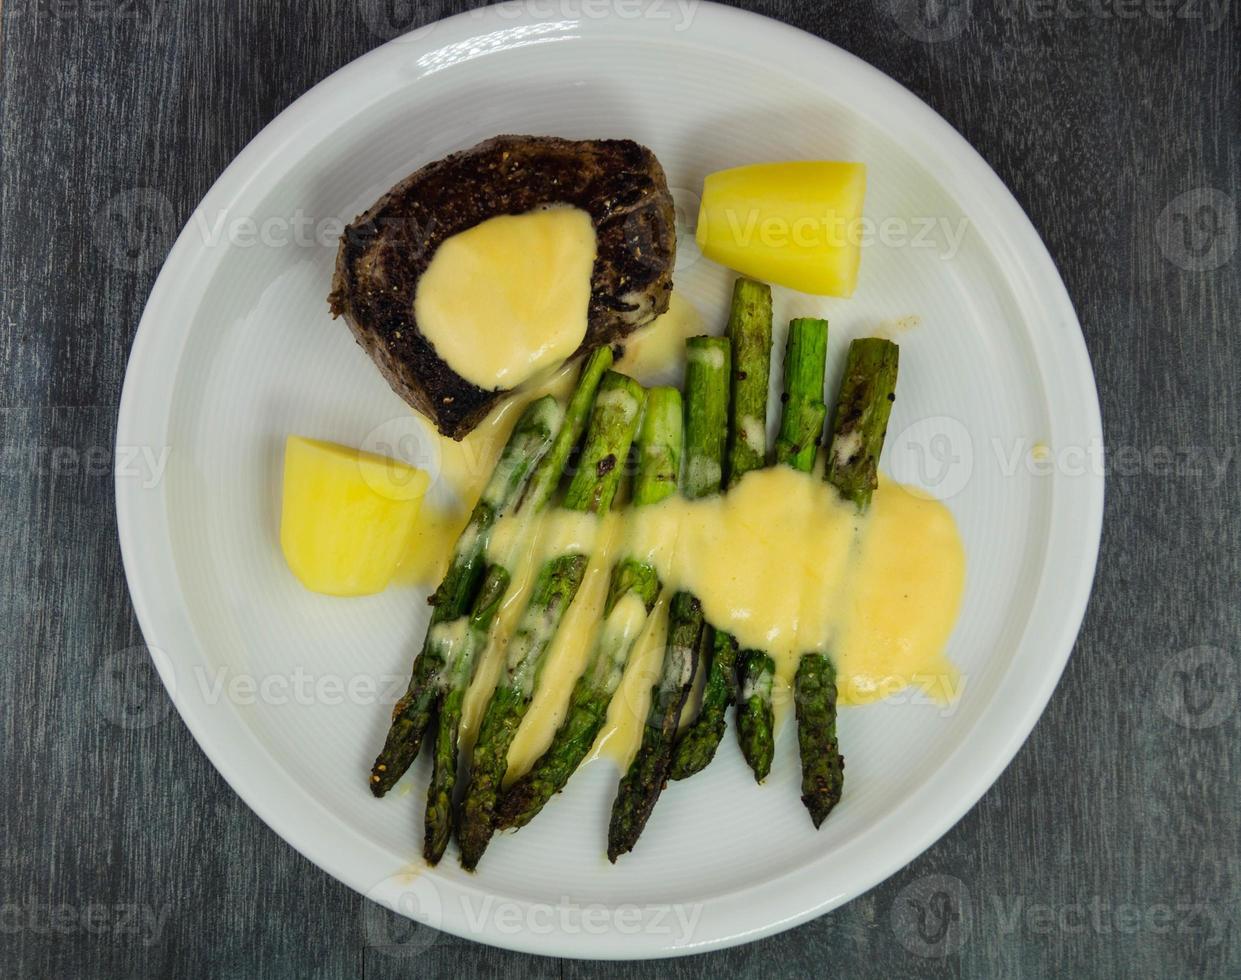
1110,845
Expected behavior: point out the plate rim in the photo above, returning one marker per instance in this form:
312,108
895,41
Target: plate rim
1028,260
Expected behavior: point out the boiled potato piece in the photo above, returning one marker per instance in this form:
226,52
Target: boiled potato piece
348,516
795,224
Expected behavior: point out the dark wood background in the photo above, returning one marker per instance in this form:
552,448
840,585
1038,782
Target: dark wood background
1111,846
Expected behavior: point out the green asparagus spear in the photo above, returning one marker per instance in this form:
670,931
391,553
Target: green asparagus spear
801,423
613,422
707,372
756,720
659,448
547,476
749,331
822,765
471,637
648,773
861,422
659,454
529,443
697,744
437,826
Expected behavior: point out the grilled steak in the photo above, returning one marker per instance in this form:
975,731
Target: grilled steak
383,253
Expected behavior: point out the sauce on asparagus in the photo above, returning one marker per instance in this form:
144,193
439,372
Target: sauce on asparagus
780,562
466,464
651,352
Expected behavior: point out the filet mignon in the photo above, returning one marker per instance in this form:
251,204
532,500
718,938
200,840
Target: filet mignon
383,253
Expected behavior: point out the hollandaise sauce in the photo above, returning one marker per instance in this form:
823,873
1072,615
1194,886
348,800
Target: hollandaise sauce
780,561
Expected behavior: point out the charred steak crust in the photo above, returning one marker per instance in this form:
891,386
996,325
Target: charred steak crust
384,252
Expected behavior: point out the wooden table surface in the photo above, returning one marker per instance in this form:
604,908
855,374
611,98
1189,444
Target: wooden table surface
1111,847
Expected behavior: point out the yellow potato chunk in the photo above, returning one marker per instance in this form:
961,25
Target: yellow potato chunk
796,224
348,516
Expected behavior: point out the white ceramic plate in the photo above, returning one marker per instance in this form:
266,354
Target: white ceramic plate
236,349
